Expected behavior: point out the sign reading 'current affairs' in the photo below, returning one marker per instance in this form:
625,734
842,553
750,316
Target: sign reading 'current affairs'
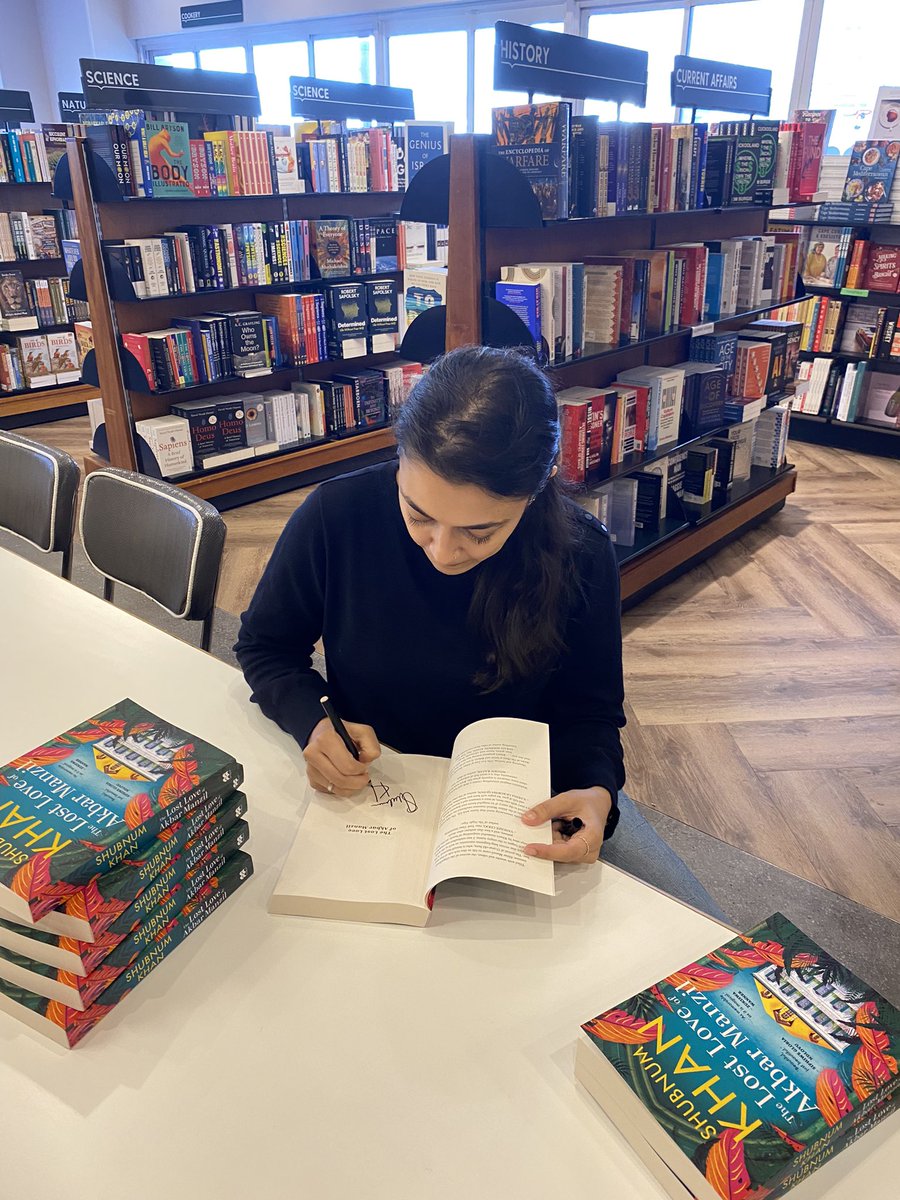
559,64
108,84
704,83
330,100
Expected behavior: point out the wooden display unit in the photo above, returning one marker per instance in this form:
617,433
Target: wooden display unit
112,316
480,248
32,406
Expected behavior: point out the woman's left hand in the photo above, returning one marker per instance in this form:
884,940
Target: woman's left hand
591,806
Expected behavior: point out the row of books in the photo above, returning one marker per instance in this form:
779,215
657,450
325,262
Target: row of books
40,361
36,303
146,854
790,1058
25,235
168,158
687,482
218,431
579,166
202,258
359,316
206,348
848,392
610,300
844,256
23,157
847,327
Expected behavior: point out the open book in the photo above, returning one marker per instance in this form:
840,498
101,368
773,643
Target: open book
376,856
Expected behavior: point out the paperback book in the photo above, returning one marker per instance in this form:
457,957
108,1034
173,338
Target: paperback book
743,1071
870,173
86,800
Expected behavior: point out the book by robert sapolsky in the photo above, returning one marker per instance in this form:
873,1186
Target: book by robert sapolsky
87,799
746,1070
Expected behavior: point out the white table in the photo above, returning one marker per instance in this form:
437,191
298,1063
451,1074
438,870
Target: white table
275,1057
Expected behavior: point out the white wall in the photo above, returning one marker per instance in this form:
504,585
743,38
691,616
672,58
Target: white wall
154,18
22,56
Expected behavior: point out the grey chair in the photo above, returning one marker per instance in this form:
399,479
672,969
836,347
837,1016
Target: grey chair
156,538
38,486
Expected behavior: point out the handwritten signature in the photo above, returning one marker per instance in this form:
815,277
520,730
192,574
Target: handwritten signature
382,795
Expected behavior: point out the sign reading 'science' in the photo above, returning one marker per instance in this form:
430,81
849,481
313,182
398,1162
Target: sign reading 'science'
108,84
559,64
708,84
332,100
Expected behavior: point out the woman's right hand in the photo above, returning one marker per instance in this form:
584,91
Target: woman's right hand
330,767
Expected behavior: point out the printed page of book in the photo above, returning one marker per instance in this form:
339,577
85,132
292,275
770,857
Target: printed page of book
365,858
499,768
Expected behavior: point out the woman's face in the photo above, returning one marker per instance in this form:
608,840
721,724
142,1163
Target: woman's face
456,525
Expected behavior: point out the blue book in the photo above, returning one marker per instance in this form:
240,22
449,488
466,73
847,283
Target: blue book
715,279
15,155
577,270
425,140
525,301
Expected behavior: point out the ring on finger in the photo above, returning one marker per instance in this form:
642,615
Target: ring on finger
587,844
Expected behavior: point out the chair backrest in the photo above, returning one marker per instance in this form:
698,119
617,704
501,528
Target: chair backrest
38,485
154,537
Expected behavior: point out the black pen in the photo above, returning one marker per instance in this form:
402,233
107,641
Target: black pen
339,727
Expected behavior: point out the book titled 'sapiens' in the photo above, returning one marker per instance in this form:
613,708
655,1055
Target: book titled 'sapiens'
82,802
748,1069
535,139
169,154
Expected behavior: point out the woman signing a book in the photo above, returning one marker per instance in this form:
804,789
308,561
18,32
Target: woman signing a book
457,583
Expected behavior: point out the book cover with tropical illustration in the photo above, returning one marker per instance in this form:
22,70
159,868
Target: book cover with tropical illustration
755,1056
88,799
68,1026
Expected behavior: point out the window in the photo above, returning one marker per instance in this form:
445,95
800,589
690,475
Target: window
274,64
224,58
856,56
348,59
485,96
659,33
435,66
179,58
744,32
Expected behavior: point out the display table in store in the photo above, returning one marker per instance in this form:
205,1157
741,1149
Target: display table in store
278,1057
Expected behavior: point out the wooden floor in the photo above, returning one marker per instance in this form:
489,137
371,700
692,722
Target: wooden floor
763,686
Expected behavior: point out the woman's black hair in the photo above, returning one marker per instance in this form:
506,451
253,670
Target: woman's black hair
489,417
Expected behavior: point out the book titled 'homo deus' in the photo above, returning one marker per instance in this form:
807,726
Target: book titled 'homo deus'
746,1070
82,802
535,139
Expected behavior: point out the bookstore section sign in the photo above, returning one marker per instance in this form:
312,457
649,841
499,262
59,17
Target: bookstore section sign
15,106
559,64
330,100
110,84
703,83
71,106
223,12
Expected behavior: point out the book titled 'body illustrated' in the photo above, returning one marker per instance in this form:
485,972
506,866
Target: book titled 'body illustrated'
84,801
746,1070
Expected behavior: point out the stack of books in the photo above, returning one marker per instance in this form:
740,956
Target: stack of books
39,361
120,837
741,1074
25,236
37,303
23,157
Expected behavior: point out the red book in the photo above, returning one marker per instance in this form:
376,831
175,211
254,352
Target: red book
138,345
820,318
811,137
573,418
857,264
883,269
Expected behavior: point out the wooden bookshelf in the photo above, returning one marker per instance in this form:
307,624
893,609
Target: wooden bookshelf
481,248
35,405
113,314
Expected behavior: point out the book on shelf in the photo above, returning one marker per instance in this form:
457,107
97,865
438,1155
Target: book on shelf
63,352
535,139
424,141
699,475
770,435
704,397
525,301
84,801
870,172
379,855
880,403
881,272
169,441
34,355
784,1054
621,510
717,348
23,156
67,1026
15,310
382,315
423,288
860,325
825,259
666,387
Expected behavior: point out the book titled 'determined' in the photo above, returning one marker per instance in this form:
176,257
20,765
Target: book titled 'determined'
739,1075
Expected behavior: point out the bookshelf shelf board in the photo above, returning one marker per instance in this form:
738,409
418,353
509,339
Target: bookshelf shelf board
276,466
18,263
653,216
887,221
275,288
796,415
39,400
760,479
648,539
247,379
640,459
29,183
885,298
191,199
66,326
